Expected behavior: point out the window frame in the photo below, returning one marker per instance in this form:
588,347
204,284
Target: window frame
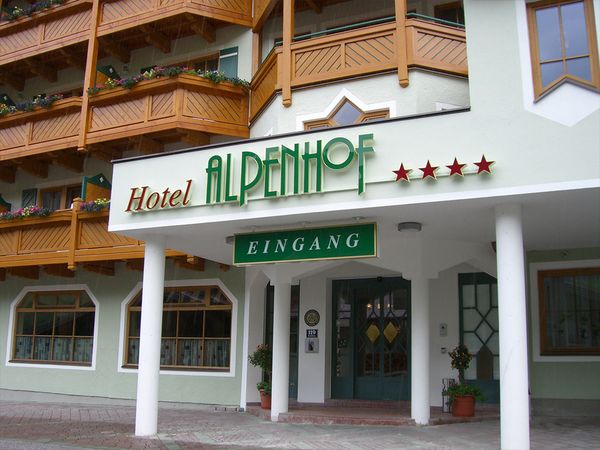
129,306
52,290
64,194
544,348
538,89
364,116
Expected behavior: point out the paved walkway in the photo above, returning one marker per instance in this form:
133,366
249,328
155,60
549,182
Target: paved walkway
33,425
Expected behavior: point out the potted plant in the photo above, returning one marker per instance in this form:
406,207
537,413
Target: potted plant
462,395
263,357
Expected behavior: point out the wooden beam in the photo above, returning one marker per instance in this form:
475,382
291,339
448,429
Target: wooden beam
146,145
29,272
73,162
72,59
114,49
315,5
136,264
42,70
190,262
194,138
36,167
18,83
286,64
156,39
59,270
101,267
8,174
105,152
203,27
401,42
224,267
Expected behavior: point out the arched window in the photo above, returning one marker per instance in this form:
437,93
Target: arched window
54,327
346,113
196,329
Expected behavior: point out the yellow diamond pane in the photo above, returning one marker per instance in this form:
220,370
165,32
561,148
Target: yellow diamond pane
372,333
390,332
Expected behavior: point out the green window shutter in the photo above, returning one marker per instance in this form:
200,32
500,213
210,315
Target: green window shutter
28,197
228,62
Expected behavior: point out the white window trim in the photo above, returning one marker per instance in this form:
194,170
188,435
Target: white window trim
344,94
12,319
183,283
534,268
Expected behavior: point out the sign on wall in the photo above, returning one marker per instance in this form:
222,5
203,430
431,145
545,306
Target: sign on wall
306,244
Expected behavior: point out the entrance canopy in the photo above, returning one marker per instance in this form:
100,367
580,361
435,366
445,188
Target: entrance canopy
382,172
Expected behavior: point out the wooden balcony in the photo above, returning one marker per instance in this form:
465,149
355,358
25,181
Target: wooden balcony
48,41
40,131
64,239
358,52
162,106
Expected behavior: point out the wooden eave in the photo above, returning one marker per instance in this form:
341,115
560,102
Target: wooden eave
176,11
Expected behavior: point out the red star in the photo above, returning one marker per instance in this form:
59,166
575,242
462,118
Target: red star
402,173
429,170
456,168
484,165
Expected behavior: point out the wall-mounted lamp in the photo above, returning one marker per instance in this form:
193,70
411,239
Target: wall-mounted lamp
410,226
230,240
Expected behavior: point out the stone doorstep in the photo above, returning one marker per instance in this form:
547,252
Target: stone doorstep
318,415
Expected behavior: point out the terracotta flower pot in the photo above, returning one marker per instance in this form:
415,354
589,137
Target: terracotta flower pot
463,406
265,400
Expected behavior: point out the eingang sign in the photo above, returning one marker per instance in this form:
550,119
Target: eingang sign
306,244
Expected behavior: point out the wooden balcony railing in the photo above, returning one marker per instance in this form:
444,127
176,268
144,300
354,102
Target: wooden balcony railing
120,15
54,28
65,237
41,130
361,51
187,102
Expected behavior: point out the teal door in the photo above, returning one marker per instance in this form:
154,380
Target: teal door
371,339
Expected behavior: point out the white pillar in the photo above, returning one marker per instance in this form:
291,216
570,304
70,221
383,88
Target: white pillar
514,399
419,350
146,411
281,349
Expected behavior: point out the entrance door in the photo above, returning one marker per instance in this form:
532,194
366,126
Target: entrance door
371,338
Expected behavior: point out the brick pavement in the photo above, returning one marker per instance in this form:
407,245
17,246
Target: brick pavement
29,425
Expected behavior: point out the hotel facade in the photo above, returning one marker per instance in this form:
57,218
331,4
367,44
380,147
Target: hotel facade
361,185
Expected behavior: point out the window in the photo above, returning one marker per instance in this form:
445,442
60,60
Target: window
563,44
451,12
60,197
570,311
346,113
54,327
196,329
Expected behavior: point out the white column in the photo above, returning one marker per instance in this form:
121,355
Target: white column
419,350
514,400
146,411
281,349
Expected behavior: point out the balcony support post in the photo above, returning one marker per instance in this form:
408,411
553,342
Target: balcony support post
401,42
74,232
90,74
288,36
256,51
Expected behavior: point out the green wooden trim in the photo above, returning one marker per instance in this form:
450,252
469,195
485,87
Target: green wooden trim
434,19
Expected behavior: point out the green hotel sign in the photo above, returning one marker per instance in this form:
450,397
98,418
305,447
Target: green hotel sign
307,244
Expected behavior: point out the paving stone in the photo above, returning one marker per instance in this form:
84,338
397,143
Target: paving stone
72,426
